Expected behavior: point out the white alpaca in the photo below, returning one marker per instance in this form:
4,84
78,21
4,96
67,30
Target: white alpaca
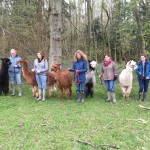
126,78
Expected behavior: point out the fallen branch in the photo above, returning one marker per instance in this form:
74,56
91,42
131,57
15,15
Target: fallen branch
144,107
103,146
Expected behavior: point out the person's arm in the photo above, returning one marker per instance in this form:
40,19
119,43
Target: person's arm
138,70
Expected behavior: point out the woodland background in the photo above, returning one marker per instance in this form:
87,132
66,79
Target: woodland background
120,28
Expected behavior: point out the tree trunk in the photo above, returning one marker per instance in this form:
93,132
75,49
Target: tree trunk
55,53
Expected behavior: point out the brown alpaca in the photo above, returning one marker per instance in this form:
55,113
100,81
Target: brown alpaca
51,81
29,77
64,81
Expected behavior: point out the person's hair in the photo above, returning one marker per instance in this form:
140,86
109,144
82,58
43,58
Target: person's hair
83,56
143,55
42,54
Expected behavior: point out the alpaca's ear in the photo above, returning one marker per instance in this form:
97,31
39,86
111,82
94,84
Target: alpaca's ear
129,62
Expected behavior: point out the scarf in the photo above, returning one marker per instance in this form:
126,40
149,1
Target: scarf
106,63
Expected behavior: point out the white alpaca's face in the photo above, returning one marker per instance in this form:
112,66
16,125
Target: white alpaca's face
132,65
93,64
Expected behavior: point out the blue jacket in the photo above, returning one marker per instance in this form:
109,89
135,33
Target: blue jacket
139,70
42,66
81,66
13,61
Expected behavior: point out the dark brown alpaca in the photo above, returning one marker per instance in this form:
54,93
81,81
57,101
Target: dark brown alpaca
29,77
64,81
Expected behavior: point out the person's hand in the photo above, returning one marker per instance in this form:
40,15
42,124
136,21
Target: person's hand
38,71
15,66
100,76
32,70
77,72
115,77
69,69
147,78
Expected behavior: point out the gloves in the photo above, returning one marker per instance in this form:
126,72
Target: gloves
115,77
15,66
147,78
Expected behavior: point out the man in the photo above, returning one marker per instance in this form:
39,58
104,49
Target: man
15,72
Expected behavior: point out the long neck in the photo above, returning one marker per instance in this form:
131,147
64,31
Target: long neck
25,69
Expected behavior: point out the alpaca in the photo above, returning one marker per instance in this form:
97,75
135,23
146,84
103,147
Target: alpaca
64,81
29,77
126,78
4,78
90,79
51,81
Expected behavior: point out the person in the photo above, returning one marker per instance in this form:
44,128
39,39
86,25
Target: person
80,68
40,69
109,74
143,72
15,72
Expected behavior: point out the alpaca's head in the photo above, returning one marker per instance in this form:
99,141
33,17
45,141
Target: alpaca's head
131,65
22,62
92,64
55,67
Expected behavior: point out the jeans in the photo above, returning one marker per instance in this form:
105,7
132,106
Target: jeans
143,83
80,87
41,81
109,85
15,78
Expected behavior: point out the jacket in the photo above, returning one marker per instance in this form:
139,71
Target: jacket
42,66
14,61
109,71
81,66
143,73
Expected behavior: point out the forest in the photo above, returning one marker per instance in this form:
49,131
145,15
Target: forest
120,28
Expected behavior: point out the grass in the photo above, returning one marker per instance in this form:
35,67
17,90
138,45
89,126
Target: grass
53,124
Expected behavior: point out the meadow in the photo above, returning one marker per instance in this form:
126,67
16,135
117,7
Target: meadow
68,125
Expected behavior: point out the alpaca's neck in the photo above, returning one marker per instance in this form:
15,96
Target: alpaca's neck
25,69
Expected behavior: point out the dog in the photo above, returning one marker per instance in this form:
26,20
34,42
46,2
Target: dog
63,80
90,78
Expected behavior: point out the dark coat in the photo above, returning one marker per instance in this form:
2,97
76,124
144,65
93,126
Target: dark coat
139,70
81,66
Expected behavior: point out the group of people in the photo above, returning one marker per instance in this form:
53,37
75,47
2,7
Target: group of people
80,67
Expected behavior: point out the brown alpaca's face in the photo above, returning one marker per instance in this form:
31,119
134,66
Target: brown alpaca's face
55,67
22,62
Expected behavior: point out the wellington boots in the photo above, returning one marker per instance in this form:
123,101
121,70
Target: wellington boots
40,95
20,90
108,97
78,96
113,97
145,96
140,96
82,97
13,86
44,93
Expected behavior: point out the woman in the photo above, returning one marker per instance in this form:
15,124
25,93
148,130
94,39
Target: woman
15,72
143,72
109,74
80,68
40,69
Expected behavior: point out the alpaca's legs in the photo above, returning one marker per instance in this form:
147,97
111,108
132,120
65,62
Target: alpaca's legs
60,90
128,91
123,91
67,93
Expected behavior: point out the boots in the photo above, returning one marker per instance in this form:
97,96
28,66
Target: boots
78,96
140,96
82,97
113,97
13,89
44,93
109,97
40,95
20,89
145,96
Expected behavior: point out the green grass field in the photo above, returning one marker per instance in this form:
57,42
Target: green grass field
61,125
